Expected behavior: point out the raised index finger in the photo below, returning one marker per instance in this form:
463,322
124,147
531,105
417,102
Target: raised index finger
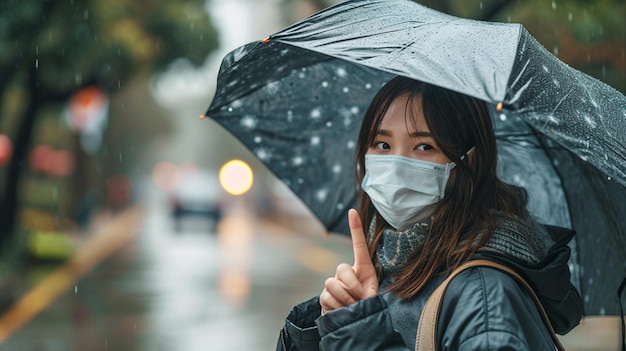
359,245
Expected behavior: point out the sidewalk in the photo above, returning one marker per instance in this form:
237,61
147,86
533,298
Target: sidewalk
28,297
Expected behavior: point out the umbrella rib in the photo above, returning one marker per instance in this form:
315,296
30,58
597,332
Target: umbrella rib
562,99
619,155
607,144
556,107
556,170
519,76
513,138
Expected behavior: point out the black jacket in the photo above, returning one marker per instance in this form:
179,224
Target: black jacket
483,309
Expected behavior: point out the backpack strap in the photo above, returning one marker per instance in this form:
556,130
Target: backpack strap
426,330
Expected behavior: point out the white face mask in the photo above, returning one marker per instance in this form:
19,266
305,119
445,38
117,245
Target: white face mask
404,190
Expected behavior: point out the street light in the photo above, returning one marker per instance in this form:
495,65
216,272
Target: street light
236,177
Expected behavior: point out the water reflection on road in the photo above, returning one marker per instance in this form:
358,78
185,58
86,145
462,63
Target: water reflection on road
164,289
227,290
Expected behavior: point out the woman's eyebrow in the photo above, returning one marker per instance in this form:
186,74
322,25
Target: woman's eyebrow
418,133
414,134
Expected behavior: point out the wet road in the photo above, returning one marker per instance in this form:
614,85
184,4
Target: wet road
137,284
162,289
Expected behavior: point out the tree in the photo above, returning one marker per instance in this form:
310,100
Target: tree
51,48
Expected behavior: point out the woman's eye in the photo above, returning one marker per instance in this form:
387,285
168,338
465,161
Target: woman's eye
382,145
423,147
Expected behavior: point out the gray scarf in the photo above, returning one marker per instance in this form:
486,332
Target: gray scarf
523,239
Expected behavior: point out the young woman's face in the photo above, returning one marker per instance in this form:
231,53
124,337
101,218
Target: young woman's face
399,137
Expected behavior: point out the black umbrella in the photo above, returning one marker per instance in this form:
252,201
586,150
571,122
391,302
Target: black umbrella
296,100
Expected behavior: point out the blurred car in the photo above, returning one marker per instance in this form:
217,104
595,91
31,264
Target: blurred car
197,193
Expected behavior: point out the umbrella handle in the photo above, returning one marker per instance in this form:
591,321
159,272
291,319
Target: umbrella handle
620,290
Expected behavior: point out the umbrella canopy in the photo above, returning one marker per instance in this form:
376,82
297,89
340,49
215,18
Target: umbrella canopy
296,100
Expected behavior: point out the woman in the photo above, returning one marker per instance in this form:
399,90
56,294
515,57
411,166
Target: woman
431,200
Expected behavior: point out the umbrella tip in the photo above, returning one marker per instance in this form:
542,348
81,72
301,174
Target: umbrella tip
266,40
499,106
202,117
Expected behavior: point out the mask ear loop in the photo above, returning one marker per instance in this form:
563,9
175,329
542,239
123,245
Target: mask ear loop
444,182
449,167
468,152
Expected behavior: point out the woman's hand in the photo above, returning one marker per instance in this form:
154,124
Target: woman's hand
351,283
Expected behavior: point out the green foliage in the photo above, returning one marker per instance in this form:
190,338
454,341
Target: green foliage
72,43
50,49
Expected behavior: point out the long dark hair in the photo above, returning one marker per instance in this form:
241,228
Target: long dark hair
463,219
